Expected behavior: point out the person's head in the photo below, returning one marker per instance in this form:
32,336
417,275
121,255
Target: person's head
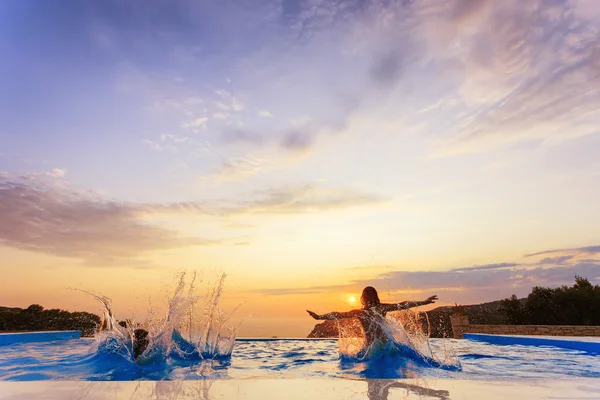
369,297
140,342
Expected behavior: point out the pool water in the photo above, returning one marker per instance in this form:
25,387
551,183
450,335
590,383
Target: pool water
292,358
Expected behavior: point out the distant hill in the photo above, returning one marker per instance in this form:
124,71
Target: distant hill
439,320
35,318
329,329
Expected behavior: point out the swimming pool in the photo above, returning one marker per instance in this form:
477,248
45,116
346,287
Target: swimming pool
292,358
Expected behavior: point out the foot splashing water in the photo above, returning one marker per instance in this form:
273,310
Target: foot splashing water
194,331
404,350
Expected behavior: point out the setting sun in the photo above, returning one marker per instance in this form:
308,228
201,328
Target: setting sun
352,299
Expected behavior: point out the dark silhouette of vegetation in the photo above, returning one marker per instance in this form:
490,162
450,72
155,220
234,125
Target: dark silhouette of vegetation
458,309
576,305
35,318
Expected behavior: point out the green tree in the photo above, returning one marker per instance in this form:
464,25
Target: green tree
34,309
515,312
575,305
35,318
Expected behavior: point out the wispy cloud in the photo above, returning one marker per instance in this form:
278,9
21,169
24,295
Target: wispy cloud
265,114
556,260
43,213
386,70
232,103
233,136
307,199
58,172
486,267
297,199
57,220
510,72
300,291
469,284
518,72
460,286
238,168
297,140
195,123
528,72
576,251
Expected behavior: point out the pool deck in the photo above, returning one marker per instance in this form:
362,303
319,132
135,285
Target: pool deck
584,343
40,336
297,389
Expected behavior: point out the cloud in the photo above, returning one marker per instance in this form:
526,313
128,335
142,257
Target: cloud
555,260
168,143
232,102
232,136
293,140
287,200
58,172
195,123
152,144
265,114
577,251
512,72
46,216
295,291
458,286
387,69
42,213
220,116
238,168
507,73
486,267
303,199
297,140
491,284
467,285
527,73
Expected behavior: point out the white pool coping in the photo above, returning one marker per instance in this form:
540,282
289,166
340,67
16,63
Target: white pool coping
300,389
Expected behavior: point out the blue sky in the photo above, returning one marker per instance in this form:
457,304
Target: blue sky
286,142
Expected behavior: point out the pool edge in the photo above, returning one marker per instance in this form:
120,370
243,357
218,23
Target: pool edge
33,337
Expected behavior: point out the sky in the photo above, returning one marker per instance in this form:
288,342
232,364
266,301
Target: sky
304,148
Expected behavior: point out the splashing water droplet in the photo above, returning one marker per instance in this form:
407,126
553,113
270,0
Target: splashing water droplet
405,336
194,327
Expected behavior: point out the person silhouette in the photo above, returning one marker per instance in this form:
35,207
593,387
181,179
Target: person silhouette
372,315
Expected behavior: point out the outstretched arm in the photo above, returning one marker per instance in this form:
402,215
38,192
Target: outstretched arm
335,315
405,305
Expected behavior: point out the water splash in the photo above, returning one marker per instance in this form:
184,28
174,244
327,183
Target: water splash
193,328
404,337
206,334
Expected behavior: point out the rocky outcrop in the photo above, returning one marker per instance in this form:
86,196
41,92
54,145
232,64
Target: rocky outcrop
331,329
